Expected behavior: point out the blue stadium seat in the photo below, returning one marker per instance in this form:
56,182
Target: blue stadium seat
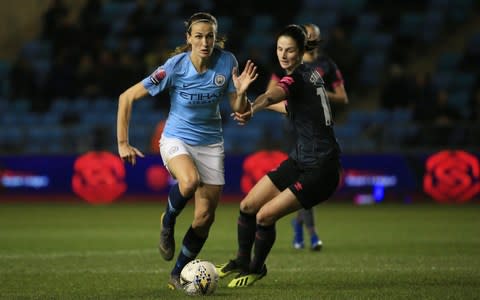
409,24
439,4
442,80
37,49
448,61
347,131
359,118
401,116
263,23
381,42
460,101
242,139
395,135
225,24
326,21
463,81
113,10
372,68
4,75
361,41
367,22
20,106
353,7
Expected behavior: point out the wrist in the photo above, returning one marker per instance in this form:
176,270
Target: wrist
122,142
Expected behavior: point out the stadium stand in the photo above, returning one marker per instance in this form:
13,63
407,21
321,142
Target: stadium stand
53,106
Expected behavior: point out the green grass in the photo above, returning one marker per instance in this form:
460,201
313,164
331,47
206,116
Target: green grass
75,251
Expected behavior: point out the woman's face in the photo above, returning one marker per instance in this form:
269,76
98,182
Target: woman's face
202,39
288,53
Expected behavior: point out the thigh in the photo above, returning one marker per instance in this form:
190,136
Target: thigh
178,160
260,194
283,204
182,168
209,160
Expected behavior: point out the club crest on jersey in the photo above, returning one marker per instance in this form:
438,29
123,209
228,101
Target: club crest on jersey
157,76
219,80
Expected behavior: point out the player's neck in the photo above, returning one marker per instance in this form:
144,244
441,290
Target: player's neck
200,64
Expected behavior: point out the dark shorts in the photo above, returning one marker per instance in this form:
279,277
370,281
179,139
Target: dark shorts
310,185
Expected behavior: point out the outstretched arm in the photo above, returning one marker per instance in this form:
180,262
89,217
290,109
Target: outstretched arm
273,96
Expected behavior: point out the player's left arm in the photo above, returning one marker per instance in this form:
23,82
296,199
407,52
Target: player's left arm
339,94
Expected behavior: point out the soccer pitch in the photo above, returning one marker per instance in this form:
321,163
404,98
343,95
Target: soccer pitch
386,251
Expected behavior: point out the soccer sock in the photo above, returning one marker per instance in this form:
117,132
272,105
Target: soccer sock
191,246
298,227
264,240
176,203
246,236
309,221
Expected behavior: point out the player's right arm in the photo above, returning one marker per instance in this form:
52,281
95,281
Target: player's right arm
278,107
125,103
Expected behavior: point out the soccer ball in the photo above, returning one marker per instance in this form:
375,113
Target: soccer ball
199,277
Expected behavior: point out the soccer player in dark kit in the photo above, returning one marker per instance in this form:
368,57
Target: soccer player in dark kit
337,95
309,175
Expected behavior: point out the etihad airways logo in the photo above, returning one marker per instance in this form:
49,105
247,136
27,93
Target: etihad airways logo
201,98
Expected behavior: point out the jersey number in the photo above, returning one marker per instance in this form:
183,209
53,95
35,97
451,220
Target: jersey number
326,106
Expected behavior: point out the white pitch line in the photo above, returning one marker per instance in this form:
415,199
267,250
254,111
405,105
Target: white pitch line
84,271
54,255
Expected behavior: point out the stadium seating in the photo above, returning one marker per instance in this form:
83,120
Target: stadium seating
422,23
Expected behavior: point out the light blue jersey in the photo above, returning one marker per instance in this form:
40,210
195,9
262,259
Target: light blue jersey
194,98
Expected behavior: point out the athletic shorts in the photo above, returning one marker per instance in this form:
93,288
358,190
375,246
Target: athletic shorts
209,159
310,185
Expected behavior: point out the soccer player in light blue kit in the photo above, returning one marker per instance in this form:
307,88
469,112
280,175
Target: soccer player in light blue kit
198,76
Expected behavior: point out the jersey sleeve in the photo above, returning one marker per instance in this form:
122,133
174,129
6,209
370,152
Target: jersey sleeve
231,86
161,78
287,83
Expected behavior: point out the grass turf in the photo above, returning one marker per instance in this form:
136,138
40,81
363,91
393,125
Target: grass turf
387,251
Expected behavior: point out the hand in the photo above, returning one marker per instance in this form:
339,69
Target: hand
242,118
248,76
129,153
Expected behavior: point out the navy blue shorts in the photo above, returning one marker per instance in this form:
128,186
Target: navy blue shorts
310,185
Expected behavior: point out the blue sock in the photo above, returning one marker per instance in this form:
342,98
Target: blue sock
175,204
297,231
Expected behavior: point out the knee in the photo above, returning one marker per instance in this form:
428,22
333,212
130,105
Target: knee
245,207
203,220
265,219
188,185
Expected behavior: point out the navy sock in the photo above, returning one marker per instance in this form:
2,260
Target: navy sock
264,240
191,246
176,203
246,225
